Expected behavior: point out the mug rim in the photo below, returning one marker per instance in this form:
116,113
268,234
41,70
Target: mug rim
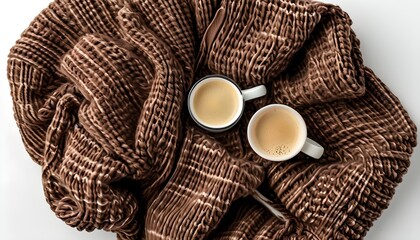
212,127
302,133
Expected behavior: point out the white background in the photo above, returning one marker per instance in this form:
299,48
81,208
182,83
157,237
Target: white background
390,39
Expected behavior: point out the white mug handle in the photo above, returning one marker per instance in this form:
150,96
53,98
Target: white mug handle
312,148
254,92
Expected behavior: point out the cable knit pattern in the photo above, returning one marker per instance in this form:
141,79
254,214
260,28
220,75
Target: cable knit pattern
335,73
258,38
99,97
205,183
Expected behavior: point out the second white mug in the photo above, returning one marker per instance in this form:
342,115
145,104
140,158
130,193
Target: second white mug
277,132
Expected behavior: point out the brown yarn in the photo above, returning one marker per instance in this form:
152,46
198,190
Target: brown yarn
99,89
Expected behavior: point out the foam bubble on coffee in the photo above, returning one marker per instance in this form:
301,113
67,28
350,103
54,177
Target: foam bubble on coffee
278,150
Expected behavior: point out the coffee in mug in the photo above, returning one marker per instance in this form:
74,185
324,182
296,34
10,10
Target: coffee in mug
216,103
277,132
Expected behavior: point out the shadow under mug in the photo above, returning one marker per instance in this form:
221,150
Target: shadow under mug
240,97
296,130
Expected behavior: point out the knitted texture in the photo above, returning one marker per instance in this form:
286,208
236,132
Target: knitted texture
200,190
99,93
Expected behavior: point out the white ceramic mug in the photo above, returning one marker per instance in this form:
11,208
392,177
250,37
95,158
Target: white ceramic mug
237,95
295,130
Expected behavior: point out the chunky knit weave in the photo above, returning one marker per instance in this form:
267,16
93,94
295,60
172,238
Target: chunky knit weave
99,97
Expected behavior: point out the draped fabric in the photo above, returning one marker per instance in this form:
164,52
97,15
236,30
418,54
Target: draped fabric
99,89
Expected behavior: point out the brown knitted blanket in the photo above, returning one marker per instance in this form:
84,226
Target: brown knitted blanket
99,91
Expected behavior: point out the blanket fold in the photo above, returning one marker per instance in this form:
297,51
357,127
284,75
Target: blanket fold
99,91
